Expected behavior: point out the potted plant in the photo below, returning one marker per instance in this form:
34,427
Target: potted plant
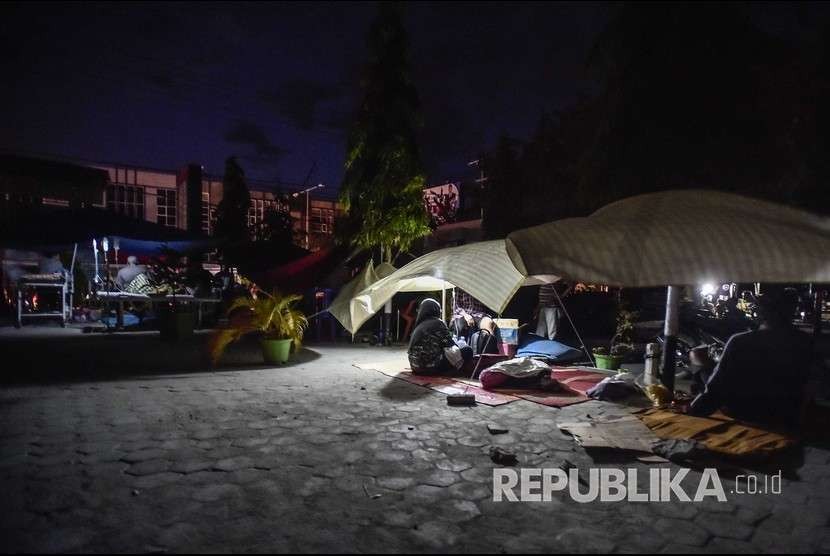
622,343
273,316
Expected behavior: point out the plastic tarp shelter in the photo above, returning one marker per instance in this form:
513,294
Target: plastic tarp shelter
352,316
482,269
681,237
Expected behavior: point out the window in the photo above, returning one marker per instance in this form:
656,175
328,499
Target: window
127,200
166,203
322,221
208,213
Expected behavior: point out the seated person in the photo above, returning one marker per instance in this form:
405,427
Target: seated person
128,273
430,341
762,375
472,322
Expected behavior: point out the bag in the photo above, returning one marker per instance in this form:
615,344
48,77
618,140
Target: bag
453,355
484,342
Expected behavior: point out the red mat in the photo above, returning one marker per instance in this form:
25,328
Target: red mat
578,381
501,396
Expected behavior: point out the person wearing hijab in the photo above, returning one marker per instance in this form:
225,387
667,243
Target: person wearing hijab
431,342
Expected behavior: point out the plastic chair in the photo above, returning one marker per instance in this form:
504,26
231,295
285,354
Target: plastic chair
409,315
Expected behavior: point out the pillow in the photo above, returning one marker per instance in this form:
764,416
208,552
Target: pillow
536,346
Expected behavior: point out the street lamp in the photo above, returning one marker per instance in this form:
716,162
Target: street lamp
307,192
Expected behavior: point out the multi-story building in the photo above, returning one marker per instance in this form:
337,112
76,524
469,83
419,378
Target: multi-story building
168,198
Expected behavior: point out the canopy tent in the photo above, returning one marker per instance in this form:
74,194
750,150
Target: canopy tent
483,270
65,226
679,237
353,315
340,306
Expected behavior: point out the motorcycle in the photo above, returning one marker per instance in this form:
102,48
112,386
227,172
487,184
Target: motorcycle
709,326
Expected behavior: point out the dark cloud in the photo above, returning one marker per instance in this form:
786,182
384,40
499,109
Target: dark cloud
298,100
248,133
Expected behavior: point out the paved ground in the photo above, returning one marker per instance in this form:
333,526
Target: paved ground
314,457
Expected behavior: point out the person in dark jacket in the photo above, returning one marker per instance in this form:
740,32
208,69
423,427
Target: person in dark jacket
429,341
762,375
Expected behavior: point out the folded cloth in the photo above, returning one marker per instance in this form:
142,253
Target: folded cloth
519,368
536,346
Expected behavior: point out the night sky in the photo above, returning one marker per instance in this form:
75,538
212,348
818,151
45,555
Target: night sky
160,85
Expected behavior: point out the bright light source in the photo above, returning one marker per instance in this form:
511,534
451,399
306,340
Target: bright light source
708,289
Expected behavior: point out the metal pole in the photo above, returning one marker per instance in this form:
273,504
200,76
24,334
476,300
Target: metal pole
444,302
670,330
307,203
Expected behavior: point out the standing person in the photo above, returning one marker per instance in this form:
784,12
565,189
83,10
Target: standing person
432,349
549,309
762,375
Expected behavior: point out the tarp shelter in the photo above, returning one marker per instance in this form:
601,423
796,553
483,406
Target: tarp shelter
353,315
680,237
677,238
482,269
340,307
49,226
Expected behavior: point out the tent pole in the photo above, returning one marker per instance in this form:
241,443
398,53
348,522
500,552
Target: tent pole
570,320
670,329
444,302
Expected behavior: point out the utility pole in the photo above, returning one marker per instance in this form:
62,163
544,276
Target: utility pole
480,181
307,192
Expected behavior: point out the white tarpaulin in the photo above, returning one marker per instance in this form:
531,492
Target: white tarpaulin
680,237
352,315
340,307
481,269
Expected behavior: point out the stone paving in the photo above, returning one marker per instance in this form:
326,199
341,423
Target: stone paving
323,457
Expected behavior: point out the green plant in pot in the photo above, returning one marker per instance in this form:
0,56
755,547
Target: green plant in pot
274,317
622,344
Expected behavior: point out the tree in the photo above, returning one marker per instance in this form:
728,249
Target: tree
503,196
232,212
383,181
686,101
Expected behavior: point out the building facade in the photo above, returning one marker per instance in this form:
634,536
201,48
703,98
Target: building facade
164,197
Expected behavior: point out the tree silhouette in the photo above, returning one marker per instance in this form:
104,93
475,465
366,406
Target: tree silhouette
383,181
232,212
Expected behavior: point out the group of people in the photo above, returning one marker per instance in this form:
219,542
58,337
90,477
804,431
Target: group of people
436,348
762,376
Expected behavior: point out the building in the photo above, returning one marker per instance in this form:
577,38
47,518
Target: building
187,198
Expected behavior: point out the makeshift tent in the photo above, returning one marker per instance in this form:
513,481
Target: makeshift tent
481,269
353,315
48,226
340,307
679,237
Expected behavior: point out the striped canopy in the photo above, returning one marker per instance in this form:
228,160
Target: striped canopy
679,237
481,269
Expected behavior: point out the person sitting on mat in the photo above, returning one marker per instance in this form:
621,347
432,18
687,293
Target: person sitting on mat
473,323
762,375
432,349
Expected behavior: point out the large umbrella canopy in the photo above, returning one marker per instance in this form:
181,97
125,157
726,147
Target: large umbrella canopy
483,270
679,237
